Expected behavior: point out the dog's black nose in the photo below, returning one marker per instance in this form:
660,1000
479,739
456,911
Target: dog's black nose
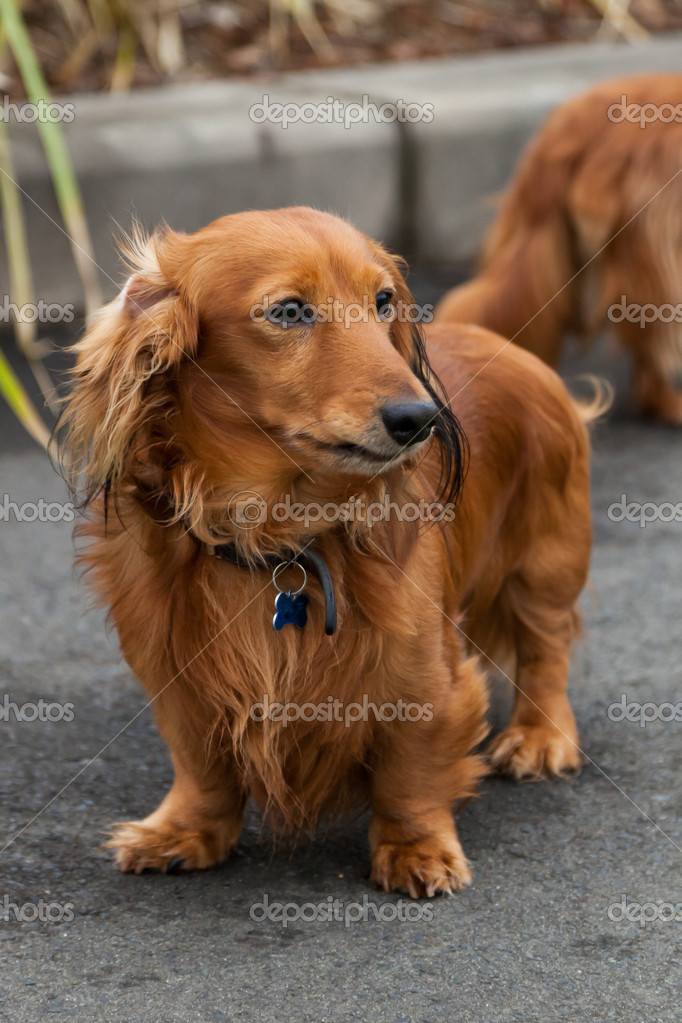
409,422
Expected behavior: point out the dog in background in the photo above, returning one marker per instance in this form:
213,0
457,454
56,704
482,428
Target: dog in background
590,227
183,398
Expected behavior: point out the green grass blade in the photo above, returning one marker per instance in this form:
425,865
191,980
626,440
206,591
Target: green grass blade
20,403
16,245
63,177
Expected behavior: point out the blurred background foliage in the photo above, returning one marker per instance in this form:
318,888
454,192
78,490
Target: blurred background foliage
90,45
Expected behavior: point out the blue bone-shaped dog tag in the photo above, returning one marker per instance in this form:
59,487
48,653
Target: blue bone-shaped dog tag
290,610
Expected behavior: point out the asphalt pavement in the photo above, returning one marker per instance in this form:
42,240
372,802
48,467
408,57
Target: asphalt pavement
576,882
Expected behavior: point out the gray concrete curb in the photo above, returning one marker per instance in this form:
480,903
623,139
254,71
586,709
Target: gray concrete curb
191,153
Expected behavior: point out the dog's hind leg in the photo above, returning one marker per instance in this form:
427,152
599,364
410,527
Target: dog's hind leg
541,595
541,738
643,266
655,390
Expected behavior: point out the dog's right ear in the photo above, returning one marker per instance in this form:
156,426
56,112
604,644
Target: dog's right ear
138,338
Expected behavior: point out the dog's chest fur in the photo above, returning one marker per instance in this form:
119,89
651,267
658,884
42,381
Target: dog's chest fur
299,712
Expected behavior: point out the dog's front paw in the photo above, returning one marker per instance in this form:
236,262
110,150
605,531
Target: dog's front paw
421,868
141,846
531,752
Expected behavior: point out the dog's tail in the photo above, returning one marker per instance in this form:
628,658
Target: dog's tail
590,409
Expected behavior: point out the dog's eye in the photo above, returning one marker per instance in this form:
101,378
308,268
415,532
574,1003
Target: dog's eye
384,304
291,312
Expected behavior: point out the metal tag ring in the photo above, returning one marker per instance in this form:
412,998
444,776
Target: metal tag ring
280,568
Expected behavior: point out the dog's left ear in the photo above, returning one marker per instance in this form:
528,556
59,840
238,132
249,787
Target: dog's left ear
137,342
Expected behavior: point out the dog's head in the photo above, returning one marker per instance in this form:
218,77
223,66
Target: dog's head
268,348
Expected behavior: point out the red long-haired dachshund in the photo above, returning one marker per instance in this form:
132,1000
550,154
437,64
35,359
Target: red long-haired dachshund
220,377
588,236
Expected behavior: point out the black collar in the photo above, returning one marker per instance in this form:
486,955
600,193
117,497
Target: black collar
309,559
